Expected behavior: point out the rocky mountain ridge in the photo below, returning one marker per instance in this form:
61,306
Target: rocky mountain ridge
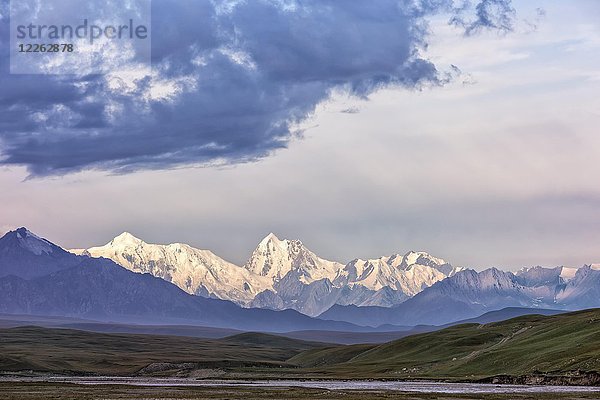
280,274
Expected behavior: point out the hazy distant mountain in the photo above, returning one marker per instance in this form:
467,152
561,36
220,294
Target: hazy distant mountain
469,293
507,313
583,290
21,252
38,277
386,281
407,275
280,274
365,316
54,282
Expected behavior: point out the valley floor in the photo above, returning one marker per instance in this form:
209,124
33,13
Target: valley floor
60,391
561,350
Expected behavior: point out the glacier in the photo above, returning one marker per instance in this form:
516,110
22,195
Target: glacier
280,274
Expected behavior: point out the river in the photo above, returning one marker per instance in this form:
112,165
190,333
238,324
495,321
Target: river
400,386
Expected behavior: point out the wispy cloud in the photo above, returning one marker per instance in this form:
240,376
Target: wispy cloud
350,110
496,14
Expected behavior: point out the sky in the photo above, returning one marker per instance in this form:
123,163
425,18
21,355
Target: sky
362,129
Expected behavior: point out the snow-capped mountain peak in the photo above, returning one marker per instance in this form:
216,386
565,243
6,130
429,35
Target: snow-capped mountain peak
567,273
422,258
409,273
275,258
412,257
544,276
26,255
280,273
193,270
126,239
271,237
33,243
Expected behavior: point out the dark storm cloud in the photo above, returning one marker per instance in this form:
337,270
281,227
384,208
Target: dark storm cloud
237,76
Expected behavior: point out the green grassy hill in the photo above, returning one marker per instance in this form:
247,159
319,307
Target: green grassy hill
66,350
523,345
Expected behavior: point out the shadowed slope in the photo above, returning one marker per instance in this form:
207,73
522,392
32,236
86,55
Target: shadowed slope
66,350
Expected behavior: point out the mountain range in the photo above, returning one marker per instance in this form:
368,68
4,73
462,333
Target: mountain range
470,293
40,278
280,274
283,287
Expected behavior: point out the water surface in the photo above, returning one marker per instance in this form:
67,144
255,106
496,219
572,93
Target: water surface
400,386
